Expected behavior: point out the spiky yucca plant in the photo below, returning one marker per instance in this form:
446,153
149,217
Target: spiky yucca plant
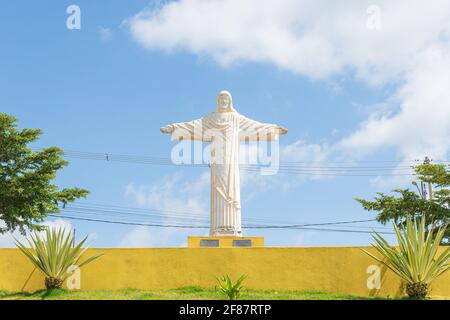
415,260
230,289
54,254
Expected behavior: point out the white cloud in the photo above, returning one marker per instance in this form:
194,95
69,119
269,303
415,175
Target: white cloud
421,126
299,151
328,40
313,38
139,237
7,239
173,195
303,237
104,33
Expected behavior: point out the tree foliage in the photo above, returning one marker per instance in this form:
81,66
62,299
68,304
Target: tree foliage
27,194
409,204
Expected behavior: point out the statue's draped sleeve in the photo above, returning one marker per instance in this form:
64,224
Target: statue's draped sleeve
251,130
191,130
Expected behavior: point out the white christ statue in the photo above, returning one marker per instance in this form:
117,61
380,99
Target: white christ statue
224,129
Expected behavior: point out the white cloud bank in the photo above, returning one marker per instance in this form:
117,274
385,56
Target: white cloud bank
173,195
325,39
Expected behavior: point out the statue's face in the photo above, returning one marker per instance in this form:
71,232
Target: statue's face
224,102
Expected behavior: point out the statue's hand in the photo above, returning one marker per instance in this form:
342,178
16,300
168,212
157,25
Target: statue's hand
167,129
282,130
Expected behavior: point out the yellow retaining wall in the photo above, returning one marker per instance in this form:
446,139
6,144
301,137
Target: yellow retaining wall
335,269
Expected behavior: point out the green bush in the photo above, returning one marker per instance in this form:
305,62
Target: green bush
55,254
230,289
415,260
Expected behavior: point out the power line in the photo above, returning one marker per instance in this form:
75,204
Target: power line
255,226
334,174
159,213
127,216
115,214
130,223
145,213
167,161
156,160
164,160
130,216
88,211
98,210
283,168
152,158
314,224
206,227
115,210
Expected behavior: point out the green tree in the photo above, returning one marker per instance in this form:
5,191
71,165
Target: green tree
409,204
27,194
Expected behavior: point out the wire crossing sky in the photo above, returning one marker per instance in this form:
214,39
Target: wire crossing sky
153,217
310,168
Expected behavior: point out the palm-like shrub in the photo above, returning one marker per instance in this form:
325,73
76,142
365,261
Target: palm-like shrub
55,254
415,260
230,289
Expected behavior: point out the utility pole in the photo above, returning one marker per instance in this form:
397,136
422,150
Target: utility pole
430,188
430,192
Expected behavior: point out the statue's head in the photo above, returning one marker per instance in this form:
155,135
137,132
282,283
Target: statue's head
224,102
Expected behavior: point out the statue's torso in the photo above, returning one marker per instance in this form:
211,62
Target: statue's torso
223,133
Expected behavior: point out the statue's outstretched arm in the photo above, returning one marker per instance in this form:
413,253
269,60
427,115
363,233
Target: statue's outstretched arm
167,129
254,130
191,130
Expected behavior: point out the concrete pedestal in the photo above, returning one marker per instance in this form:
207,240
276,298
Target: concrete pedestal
225,242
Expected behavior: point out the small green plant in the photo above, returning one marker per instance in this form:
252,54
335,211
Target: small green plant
415,259
55,254
230,289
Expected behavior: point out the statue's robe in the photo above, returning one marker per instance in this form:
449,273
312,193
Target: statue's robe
225,131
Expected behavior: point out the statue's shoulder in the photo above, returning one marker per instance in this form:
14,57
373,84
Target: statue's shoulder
241,116
217,116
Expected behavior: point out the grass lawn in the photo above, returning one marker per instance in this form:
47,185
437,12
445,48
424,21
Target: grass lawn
190,293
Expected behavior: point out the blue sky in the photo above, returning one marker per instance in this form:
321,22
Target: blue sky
135,66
